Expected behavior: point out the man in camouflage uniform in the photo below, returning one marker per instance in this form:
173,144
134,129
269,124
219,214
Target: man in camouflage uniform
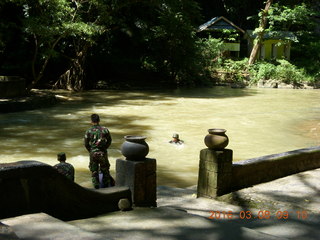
97,139
63,167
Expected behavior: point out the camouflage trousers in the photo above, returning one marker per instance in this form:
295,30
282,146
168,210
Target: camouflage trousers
99,163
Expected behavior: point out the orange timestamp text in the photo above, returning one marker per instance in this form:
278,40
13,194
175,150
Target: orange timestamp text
263,214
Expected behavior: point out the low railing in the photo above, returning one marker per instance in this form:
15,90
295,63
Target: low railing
267,168
218,175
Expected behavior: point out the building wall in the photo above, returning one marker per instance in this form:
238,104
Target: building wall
271,50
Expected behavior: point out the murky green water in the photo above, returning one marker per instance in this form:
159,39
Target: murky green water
258,122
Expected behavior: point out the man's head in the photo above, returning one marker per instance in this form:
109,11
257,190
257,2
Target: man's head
175,137
95,118
61,157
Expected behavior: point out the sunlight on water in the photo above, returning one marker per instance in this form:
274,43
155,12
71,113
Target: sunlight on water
258,122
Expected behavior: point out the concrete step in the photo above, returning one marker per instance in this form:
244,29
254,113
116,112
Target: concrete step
6,233
181,215
40,226
292,203
165,223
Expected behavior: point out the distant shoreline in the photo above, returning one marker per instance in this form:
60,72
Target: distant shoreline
37,99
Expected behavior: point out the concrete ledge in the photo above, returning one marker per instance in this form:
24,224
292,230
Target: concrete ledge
41,226
12,86
263,169
7,233
31,187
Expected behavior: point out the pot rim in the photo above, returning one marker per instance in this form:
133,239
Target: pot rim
134,137
216,130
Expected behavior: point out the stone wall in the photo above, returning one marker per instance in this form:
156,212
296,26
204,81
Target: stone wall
267,168
31,187
12,86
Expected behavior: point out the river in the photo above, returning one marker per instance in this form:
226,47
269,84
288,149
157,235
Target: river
258,122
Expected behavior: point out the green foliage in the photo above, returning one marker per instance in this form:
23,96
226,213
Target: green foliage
307,54
146,37
262,71
209,52
281,70
233,65
171,42
288,18
228,35
313,51
236,70
289,73
300,19
46,24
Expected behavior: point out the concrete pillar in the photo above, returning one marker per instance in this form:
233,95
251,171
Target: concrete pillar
140,177
215,168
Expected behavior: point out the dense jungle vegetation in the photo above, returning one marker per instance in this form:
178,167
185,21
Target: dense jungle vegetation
84,44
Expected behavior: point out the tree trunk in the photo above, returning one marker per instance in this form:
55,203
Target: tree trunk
73,78
37,76
259,38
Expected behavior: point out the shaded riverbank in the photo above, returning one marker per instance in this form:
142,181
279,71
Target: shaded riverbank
36,99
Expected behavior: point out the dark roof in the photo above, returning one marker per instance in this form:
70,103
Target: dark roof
279,35
219,23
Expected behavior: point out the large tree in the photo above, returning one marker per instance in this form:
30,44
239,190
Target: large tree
161,33
260,32
91,19
171,41
47,25
154,38
54,27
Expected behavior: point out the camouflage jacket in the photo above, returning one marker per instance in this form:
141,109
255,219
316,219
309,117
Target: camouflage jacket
66,169
97,139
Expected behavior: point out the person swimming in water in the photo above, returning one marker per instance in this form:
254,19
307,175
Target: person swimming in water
176,140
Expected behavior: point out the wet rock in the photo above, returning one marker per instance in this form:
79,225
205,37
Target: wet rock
268,84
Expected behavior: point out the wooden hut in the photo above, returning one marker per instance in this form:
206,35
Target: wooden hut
221,27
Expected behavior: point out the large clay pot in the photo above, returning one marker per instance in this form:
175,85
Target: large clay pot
216,139
135,148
